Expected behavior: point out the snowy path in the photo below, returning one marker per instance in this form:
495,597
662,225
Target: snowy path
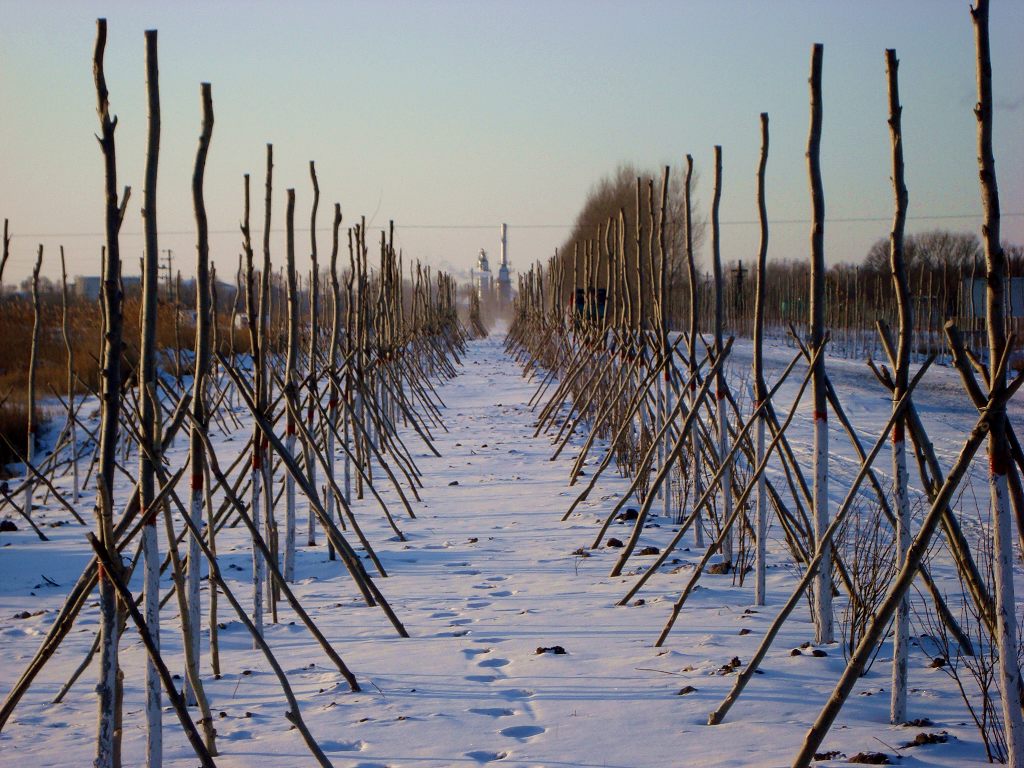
488,575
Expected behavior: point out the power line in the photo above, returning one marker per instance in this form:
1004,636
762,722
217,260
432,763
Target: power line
729,222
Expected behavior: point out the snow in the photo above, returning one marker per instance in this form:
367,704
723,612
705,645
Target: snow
488,576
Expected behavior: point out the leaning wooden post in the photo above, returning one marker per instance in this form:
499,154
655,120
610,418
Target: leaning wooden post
33,427
1000,462
149,412
901,288
110,395
823,620
917,553
198,407
760,386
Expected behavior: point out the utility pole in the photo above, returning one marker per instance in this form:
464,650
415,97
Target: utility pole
170,272
740,273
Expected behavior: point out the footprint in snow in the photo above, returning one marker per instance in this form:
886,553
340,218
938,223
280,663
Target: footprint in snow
481,678
514,694
494,663
343,746
481,756
492,711
522,731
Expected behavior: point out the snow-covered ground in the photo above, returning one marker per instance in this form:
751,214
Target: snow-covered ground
487,578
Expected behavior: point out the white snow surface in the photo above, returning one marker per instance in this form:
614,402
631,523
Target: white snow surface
489,575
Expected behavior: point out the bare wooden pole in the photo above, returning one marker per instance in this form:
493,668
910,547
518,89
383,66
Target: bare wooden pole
721,411
33,427
901,288
253,311
1000,464
822,603
71,425
291,383
760,386
691,343
332,362
149,412
262,394
6,254
314,335
106,687
665,401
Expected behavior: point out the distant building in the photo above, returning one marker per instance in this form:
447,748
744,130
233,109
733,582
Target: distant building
88,286
482,276
973,297
504,276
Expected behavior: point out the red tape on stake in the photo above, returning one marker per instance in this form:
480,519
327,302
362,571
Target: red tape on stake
197,482
821,415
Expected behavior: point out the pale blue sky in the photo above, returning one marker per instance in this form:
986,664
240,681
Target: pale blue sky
474,113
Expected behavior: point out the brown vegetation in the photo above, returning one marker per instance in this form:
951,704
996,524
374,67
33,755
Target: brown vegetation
83,330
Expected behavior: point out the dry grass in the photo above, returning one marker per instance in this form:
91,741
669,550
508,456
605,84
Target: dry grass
13,426
16,319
